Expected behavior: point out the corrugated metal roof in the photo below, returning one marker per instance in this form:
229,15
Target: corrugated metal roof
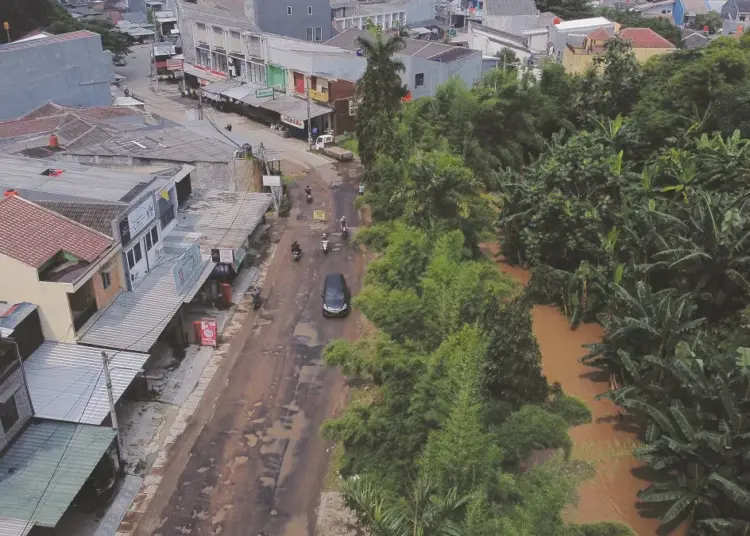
76,181
52,40
14,527
66,382
295,107
223,219
60,454
136,319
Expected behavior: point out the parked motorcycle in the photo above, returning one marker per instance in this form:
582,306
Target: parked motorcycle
256,298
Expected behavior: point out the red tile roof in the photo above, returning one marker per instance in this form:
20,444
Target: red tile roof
644,38
33,235
26,127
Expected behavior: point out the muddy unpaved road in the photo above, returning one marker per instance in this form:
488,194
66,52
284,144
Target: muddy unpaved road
253,458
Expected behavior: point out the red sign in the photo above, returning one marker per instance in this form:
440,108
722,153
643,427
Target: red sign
208,332
174,65
407,97
211,71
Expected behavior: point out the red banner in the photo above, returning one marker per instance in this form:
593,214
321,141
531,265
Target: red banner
208,332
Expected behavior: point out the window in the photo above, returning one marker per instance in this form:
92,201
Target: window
155,235
106,280
309,33
149,245
288,10
131,260
309,10
8,413
138,253
352,107
419,79
318,33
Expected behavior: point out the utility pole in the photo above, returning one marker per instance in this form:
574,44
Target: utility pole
23,370
6,26
112,410
309,125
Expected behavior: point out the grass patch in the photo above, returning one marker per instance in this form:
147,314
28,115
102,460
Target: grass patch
332,481
350,144
572,409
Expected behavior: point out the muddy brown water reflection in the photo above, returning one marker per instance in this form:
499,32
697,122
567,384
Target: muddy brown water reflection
610,494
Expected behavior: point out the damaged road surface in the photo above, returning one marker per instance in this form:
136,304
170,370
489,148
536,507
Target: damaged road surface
252,459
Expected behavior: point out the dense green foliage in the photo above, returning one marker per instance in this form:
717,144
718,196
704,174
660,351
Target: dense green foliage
639,220
454,429
25,16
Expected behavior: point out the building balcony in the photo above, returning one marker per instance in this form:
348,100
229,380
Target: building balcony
320,96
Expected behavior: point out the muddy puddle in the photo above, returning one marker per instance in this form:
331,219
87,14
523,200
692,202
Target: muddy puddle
610,494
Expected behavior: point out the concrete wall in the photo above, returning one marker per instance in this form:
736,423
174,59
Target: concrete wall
478,40
272,17
21,283
419,10
105,296
512,24
15,384
579,63
72,73
468,69
338,64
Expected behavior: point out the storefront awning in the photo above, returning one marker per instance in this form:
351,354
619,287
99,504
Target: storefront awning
43,470
66,382
135,319
240,92
295,107
215,90
201,74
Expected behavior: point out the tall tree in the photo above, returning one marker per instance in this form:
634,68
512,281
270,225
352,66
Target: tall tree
379,93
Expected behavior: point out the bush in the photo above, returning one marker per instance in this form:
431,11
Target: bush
603,528
533,428
572,409
285,207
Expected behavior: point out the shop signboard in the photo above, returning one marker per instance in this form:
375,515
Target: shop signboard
208,332
264,92
174,65
186,267
137,220
239,256
292,121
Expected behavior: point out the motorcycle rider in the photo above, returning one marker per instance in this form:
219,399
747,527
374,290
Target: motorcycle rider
256,296
342,221
296,247
308,191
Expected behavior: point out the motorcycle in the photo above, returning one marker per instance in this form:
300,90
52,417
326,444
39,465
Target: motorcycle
256,298
296,251
344,231
308,195
324,244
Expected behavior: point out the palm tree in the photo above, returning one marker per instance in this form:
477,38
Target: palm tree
422,513
379,92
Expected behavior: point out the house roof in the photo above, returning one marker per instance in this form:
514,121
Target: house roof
510,7
416,48
18,45
695,7
600,34
582,24
96,216
644,38
33,235
61,453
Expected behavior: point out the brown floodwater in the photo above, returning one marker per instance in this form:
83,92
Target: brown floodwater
610,494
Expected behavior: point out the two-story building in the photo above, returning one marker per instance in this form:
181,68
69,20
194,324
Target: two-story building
68,270
736,10
511,16
384,15
427,64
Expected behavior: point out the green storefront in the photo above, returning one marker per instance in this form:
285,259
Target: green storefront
276,77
